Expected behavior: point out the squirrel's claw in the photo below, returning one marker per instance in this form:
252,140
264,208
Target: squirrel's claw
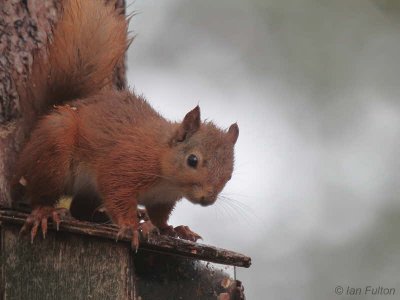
132,231
43,225
56,219
34,230
123,231
39,217
135,241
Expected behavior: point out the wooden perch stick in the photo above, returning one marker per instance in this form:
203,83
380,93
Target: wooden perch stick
162,244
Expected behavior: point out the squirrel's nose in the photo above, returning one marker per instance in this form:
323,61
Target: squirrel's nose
204,202
208,200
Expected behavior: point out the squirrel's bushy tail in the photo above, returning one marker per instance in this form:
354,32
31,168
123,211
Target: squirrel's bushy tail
88,41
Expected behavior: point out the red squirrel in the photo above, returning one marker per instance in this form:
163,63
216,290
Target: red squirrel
90,139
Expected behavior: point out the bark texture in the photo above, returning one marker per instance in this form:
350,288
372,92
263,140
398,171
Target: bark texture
24,27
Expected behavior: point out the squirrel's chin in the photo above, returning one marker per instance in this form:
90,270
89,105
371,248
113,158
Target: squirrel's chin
193,200
202,202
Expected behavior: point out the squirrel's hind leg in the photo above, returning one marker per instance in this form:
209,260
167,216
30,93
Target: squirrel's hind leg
44,169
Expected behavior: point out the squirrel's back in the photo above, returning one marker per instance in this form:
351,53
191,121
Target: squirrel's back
88,41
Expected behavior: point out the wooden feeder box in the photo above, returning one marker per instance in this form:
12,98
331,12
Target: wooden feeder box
83,261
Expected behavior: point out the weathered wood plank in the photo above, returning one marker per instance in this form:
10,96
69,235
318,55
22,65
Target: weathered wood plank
162,244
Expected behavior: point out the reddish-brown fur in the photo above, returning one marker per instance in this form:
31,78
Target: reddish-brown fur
110,143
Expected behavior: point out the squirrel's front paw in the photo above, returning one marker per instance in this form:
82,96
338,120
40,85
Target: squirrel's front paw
129,230
185,233
40,216
169,231
147,229
182,232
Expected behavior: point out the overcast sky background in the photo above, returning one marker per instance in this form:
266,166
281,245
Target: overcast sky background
315,89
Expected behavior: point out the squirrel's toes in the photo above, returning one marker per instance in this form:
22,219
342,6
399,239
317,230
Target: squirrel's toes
39,217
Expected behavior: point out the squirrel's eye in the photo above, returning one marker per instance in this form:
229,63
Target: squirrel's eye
192,160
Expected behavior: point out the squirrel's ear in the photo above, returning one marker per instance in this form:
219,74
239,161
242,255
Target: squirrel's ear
233,133
189,125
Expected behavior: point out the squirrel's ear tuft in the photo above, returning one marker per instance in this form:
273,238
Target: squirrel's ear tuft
233,133
190,124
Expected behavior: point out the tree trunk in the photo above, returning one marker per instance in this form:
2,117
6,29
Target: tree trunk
24,27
